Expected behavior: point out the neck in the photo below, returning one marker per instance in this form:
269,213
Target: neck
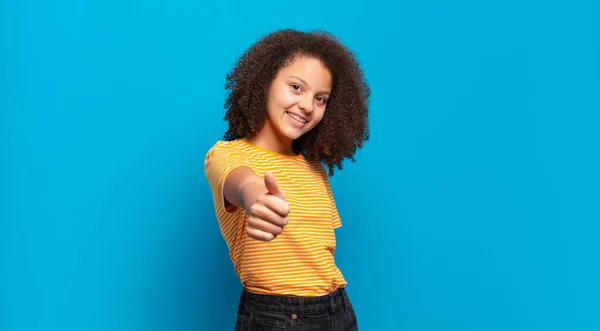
271,139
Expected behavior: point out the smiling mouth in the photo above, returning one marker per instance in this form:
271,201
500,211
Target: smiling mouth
296,118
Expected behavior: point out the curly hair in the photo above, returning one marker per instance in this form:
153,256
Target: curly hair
344,126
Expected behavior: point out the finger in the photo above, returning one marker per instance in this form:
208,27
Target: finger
277,205
265,226
265,213
259,235
272,186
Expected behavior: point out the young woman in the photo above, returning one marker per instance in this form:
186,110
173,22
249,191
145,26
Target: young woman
297,103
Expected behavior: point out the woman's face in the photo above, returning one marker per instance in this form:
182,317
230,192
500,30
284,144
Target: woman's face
298,96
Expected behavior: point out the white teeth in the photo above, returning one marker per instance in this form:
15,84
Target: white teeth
297,118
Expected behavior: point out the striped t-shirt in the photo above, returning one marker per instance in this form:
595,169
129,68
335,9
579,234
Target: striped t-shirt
299,261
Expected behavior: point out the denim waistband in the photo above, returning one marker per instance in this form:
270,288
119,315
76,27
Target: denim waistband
290,304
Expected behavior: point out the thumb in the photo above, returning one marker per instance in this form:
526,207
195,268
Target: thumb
272,186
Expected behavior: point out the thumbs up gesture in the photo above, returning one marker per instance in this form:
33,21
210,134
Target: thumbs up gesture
269,213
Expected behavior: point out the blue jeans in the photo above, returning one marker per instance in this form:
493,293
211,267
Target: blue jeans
259,312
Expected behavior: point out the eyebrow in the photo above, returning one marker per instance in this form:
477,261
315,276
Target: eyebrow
305,83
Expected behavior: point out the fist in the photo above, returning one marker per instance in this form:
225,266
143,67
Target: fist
268,215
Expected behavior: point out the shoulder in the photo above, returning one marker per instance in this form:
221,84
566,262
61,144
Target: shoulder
225,154
318,169
220,144
224,146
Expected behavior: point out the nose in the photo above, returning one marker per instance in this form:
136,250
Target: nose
306,104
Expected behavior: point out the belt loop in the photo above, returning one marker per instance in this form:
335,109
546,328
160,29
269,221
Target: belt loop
334,300
344,298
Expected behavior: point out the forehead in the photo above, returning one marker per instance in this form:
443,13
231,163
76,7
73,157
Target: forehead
312,70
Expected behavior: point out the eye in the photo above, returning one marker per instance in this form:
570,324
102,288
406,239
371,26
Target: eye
322,100
296,87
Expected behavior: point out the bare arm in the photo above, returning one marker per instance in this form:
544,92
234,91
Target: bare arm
263,201
242,186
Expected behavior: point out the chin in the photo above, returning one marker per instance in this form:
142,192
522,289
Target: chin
292,132
292,135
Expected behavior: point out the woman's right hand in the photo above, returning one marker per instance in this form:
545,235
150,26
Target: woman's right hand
268,214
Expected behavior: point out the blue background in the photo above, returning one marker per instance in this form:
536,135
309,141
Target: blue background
474,206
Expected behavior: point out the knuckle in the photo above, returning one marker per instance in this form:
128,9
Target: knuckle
254,208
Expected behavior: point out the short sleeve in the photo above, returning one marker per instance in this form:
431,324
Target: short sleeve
337,222
221,160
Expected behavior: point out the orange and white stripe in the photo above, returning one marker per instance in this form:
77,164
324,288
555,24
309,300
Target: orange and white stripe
298,262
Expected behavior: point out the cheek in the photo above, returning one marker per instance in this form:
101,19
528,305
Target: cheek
318,116
287,100
278,101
